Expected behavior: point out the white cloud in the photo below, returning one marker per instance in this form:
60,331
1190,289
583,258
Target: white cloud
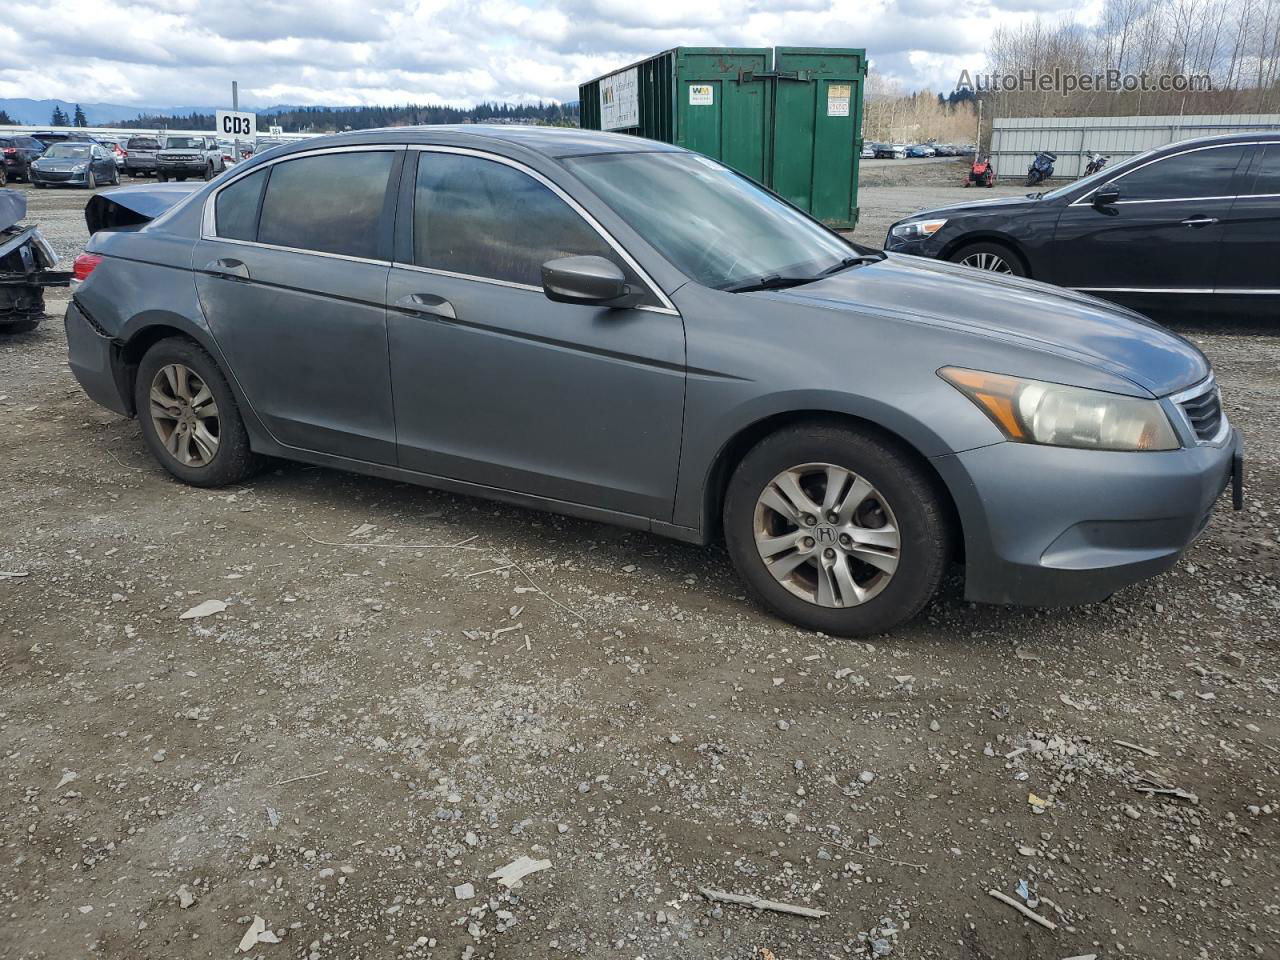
186,52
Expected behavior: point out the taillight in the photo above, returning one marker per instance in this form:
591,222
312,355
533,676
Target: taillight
10,150
84,265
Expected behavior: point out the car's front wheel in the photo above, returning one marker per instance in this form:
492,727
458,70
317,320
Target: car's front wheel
189,416
835,529
990,256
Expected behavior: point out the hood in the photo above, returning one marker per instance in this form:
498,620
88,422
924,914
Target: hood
131,206
1047,318
1001,204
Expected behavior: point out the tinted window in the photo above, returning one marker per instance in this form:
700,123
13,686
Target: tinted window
236,210
1267,178
142,143
1200,173
486,219
7,142
331,203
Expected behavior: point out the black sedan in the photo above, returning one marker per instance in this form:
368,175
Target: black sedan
1189,227
77,164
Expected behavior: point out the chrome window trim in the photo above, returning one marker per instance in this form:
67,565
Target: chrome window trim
1198,390
1170,156
313,253
667,305
208,218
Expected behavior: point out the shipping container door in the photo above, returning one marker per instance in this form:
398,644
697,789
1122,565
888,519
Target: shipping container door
701,102
833,138
793,141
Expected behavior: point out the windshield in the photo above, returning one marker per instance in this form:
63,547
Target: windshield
183,143
716,227
77,150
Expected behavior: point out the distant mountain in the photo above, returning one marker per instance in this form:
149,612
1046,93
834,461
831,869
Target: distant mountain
38,112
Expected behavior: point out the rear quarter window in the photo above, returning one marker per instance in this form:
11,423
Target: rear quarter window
331,203
236,209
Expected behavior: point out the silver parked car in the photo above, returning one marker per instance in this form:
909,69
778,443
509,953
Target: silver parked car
180,157
626,331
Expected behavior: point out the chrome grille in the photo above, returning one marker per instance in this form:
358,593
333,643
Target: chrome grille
1204,413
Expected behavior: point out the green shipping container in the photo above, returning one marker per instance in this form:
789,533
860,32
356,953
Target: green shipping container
788,118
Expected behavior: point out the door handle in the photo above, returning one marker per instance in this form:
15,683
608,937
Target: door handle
1199,221
428,304
228,268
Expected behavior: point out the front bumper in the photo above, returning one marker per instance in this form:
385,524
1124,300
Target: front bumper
59,178
94,359
1052,526
193,169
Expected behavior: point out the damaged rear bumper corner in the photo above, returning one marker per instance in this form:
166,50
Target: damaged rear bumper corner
94,358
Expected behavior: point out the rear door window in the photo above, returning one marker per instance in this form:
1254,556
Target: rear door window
482,218
331,203
236,209
1185,176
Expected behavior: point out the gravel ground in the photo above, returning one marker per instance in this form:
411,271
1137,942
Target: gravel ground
408,690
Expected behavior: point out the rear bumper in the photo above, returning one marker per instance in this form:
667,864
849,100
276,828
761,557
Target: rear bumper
1049,526
139,163
95,362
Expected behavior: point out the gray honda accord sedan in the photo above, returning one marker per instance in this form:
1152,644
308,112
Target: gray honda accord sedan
622,330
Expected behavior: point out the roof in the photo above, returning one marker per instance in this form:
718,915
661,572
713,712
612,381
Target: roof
550,141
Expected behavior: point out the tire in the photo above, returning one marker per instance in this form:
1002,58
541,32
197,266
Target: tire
115,178
38,185
162,177
181,178
90,181
232,460
882,599
988,255
21,308
208,172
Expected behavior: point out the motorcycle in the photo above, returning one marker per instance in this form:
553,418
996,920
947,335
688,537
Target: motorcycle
1096,162
1041,168
981,174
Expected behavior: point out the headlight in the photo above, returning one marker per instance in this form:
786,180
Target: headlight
1031,411
79,168
917,229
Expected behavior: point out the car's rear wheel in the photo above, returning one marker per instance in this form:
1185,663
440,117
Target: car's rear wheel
835,529
995,257
189,416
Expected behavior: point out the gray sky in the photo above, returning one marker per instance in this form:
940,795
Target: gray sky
167,52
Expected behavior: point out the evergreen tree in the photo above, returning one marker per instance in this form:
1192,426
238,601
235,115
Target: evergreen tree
59,119
6,119
80,119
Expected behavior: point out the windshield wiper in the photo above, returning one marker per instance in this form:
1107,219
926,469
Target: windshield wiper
772,281
848,262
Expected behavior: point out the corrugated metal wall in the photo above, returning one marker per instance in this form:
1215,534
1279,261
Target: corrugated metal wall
1016,140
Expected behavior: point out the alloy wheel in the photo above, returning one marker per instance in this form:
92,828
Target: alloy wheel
827,535
185,415
987,261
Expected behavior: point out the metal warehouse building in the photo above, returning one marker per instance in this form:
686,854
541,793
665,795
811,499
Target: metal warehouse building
1016,140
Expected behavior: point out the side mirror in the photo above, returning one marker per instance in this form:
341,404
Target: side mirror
1106,195
589,280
